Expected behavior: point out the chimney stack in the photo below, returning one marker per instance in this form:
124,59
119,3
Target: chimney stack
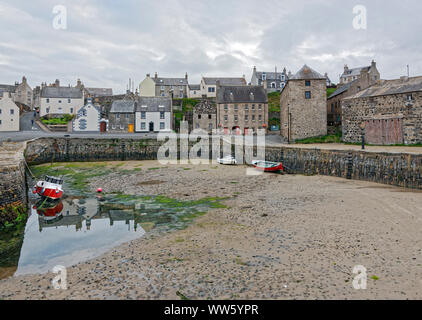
156,75
186,76
57,83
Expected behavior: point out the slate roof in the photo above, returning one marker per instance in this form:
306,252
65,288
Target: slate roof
61,92
195,87
170,81
8,88
342,89
242,94
355,71
271,75
225,81
153,104
390,87
307,73
123,106
100,92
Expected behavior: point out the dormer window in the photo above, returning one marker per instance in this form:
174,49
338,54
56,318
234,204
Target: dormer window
251,96
264,76
409,97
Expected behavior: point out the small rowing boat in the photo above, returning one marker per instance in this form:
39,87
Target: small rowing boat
268,166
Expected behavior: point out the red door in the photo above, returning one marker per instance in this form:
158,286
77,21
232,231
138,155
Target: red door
103,127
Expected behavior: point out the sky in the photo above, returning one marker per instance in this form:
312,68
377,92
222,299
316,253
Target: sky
106,42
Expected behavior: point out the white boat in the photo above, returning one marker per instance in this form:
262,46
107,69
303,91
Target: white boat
228,160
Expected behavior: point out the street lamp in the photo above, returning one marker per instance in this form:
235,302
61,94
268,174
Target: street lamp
362,127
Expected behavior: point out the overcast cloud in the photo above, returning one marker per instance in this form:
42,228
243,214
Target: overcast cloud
108,41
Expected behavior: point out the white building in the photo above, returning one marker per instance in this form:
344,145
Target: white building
9,114
209,85
194,91
153,114
60,100
87,119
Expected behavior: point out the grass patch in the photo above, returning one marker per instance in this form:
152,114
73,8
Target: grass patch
274,102
58,121
336,138
330,91
375,278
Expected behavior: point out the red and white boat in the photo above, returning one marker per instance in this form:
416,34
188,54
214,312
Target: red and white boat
50,188
268,166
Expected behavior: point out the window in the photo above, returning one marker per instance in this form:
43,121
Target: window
236,107
47,110
163,94
0,122
162,125
60,101
162,115
162,87
264,76
181,94
253,107
71,110
211,89
199,117
246,107
210,116
12,111
246,118
332,108
308,95
236,118
226,107
260,117
143,125
210,126
409,97
48,100
143,115
118,115
308,83
253,117
127,115
69,100
226,118
273,84
0,111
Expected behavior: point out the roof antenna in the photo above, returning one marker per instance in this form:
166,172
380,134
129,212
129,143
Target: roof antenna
408,71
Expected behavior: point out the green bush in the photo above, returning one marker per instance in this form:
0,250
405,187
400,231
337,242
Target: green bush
59,121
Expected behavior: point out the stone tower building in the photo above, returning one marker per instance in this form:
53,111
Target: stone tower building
303,111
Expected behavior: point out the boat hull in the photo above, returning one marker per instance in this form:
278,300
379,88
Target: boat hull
53,194
269,167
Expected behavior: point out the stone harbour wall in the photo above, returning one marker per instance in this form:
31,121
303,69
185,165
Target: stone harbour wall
404,170
13,183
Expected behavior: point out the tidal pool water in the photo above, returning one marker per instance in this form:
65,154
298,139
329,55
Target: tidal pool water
83,226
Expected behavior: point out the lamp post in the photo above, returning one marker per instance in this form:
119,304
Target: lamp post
362,127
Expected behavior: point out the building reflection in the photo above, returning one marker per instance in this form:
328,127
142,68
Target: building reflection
74,212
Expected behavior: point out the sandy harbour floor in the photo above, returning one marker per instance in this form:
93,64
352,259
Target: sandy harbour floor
280,237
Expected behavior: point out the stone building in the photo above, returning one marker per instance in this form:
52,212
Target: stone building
362,81
272,81
24,94
56,100
303,106
350,75
242,109
194,91
389,112
9,114
122,116
209,85
88,118
174,88
20,92
153,114
205,116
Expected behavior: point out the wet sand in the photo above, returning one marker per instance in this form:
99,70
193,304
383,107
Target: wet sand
280,237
